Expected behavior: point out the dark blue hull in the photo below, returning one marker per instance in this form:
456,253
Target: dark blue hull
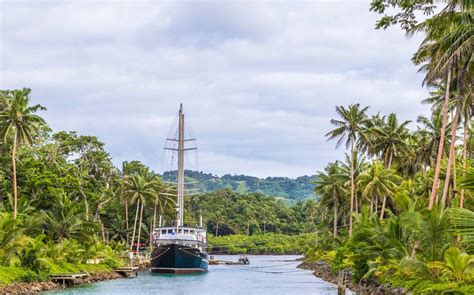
178,259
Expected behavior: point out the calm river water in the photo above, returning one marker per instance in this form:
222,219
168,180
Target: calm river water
265,275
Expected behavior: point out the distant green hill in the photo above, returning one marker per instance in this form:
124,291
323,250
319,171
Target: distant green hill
292,189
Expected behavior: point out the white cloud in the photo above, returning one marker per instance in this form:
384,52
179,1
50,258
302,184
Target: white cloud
259,80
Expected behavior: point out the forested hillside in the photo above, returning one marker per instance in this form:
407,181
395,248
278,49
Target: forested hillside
292,189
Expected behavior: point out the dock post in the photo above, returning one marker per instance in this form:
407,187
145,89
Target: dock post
341,286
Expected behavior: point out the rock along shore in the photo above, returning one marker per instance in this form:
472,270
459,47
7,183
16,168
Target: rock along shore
322,270
35,287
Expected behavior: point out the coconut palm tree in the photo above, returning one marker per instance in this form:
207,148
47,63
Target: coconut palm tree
389,139
329,186
18,120
378,181
140,190
431,129
349,128
446,50
345,173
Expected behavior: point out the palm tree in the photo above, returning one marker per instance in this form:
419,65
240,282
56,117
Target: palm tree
468,110
446,49
349,128
329,186
378,181
389,139
311,209
431,130
345,173
10,237
140,190
19,120
65,218
128,169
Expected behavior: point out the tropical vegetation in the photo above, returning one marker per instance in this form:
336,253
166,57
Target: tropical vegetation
63,203
403,215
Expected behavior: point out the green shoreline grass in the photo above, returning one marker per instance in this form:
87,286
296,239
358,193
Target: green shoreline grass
16,274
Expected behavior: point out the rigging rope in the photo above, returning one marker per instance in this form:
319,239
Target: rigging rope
271,272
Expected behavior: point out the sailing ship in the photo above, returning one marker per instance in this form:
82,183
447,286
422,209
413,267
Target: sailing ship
179,249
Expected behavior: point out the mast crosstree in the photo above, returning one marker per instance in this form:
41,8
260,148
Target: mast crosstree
179,147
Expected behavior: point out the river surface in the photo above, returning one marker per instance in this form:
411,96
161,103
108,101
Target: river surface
267,274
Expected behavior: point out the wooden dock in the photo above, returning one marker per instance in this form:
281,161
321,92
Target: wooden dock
127,271
68,278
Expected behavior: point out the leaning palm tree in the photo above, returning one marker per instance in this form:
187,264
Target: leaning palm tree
430,130
378,181
349,128
447,50
19,120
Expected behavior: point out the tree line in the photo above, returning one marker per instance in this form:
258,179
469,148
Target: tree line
398,209
63,202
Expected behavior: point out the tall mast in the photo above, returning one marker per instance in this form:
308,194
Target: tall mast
181,167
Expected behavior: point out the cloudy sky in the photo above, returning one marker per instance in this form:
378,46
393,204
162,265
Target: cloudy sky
259,80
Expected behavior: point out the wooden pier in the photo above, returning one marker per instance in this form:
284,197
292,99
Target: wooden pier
68,278
127,271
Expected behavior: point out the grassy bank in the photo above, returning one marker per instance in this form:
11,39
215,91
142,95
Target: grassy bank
17,274
260,244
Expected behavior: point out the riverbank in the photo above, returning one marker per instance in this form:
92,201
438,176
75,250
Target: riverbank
35,287
322,270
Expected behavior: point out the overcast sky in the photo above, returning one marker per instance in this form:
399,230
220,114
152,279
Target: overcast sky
259,81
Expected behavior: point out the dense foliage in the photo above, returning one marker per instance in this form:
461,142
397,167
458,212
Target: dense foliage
62,201
398,210
292,190
226,212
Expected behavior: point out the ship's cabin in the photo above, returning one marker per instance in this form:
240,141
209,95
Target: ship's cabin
194,237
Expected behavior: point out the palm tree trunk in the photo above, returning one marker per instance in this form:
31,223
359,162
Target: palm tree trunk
352,190
103,230
140,227
464,160
383,207
376,204
390,160
126,219
356,203
134,226
372,205
441,142
15,192
344,221
335,214
154,216
151,232
454,127
455,181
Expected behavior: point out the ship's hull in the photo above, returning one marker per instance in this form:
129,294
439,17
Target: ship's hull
178,259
